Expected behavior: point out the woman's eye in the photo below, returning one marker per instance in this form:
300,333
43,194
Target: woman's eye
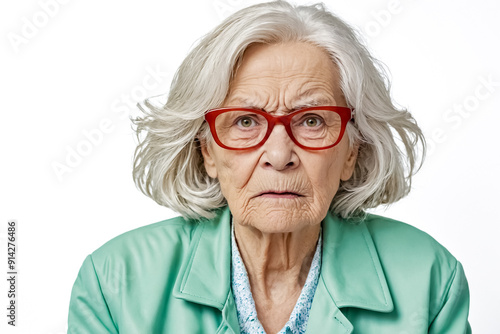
245,122
312,122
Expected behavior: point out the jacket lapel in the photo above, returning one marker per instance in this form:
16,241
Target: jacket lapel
351,276
324,316
229,317
205,274
204,277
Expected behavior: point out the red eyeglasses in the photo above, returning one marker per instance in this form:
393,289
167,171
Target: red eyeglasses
314,128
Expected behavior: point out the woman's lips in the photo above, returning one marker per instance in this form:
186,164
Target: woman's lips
272,194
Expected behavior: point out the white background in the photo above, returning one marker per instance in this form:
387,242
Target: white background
78,67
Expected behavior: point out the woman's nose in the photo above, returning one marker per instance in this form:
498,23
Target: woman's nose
279,150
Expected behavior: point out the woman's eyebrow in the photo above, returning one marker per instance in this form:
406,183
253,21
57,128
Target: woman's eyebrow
312,103
244,102
305,105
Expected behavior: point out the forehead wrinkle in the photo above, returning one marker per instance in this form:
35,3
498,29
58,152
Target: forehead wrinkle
279,90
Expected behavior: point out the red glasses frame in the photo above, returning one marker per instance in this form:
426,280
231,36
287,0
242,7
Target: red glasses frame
345,113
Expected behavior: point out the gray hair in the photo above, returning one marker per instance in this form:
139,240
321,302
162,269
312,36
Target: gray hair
168,165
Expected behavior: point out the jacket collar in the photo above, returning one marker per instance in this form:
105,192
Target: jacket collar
351,273
205,275
351,268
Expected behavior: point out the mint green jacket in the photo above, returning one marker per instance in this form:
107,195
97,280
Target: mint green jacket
173,277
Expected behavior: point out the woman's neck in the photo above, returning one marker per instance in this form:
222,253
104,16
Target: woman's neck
276,261
277,265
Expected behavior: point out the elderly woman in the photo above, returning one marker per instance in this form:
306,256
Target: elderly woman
278,133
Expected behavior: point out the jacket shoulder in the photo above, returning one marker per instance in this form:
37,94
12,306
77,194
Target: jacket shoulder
397,239
395,235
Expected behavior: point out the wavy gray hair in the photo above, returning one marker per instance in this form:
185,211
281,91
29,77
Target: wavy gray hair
168,165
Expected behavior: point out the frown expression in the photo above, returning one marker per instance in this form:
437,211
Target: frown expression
280,187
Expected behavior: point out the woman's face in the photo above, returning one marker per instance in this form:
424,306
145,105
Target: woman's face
280,187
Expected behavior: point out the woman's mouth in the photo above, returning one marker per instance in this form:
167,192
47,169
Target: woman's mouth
275,194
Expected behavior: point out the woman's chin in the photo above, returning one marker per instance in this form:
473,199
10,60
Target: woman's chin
281,221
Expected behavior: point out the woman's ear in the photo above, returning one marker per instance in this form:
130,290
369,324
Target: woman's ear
349,163
208,158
